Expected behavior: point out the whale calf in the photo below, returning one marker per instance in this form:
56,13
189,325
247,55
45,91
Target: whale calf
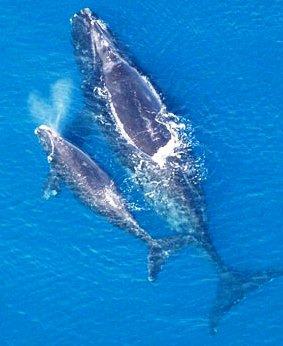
94,187
149,141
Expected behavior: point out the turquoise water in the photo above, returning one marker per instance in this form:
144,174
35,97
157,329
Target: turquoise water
70,278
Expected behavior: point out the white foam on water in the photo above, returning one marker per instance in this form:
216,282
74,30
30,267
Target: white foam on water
52,111
173,146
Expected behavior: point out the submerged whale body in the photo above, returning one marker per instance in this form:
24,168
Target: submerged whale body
149,141
93,186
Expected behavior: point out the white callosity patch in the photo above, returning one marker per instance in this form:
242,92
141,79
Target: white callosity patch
93,42
51,134
100,43
102,46
92,47
102,24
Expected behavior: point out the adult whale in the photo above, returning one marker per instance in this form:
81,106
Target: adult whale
93,186
149,141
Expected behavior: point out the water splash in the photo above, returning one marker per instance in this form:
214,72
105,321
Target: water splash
52,111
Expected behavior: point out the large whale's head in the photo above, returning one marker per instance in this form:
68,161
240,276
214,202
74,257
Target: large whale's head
92,40
49,140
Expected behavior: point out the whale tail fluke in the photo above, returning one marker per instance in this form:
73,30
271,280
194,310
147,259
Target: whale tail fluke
233,287
156,258
161,249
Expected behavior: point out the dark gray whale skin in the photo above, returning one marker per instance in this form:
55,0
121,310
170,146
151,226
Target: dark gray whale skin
128,90
136,123
94,188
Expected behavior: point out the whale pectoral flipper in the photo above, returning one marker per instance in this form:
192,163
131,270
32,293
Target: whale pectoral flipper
161,249
52,185
233,287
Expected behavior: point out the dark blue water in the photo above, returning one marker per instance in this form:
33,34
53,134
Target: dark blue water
70,278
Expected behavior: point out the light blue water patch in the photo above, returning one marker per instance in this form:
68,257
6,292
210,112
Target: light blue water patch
70,278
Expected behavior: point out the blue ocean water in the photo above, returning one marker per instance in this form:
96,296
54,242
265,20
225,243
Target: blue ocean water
68,277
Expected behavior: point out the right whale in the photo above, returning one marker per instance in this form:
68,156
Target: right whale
149,141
